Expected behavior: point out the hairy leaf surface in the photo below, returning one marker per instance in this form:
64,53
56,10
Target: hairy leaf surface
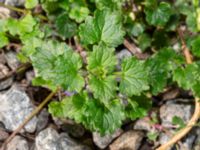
59,64
158,16
92,114
65,27
134,78
105,26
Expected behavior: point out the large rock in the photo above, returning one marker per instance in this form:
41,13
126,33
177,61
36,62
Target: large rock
130,140
170,110
103,141
18,143
15,107
43,119
49,139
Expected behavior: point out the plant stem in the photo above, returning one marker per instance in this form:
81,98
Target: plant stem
192,122
13,8
35,112
24,11
41,17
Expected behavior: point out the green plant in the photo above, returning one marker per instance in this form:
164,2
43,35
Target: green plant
102,96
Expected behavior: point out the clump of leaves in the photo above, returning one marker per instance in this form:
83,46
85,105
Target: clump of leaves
104,94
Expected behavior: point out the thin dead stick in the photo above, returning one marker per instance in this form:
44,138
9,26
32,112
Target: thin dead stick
19,70
192,122
13,8
185,130
185,49
35,112
131,47
134,50
170,134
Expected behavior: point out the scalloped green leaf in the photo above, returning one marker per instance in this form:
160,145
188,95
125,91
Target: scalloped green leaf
103,88
31,3
111,4
134,78
26,24
92,114
65,27
196,46
102,60
105,26
79,13
186,77
4,40
137,107
104,119
56,62
160,66
160,15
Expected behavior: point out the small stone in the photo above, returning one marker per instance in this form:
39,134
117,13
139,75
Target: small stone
122,54
197,140
15,2
68,143
3,71
4,13
2,56
5,84
43,119
103,141
143,124
163,138
18,143
58,122
11,58
49,139
15,107
130,140
29,76
177,47
170,110
186,143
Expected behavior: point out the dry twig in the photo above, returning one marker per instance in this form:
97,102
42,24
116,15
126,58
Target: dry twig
134,50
